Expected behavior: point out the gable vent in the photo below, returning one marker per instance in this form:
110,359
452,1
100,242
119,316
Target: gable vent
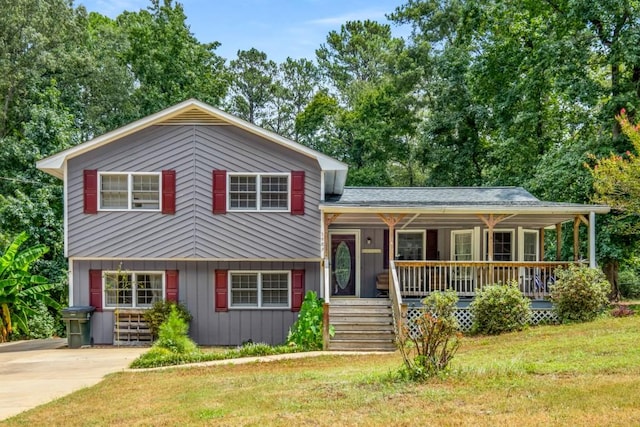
193,116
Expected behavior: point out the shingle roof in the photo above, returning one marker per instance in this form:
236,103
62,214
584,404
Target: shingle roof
437,196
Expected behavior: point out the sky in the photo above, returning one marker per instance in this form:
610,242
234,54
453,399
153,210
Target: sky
280,28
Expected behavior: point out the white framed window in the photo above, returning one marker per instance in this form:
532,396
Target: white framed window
259,192
122,191
259,289
410,244
530,251
462,249
503,247
462,245
134,289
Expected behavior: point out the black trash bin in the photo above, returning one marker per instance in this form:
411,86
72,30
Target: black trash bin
78,320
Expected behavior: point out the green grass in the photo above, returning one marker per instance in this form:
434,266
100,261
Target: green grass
584,374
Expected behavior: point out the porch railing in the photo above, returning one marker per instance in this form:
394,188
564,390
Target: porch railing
418,278
399,309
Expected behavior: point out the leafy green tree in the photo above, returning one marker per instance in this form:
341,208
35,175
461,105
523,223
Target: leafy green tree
252,85
21,291
368,120
519,93
616,178
168,62
616,181
295,85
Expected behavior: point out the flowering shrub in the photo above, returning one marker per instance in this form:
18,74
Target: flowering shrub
500,308
579,294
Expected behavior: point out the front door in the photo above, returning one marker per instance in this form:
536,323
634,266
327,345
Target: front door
343,264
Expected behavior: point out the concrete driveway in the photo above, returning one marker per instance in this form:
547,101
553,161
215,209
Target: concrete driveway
38,371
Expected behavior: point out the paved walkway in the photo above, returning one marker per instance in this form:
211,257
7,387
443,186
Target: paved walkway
38,371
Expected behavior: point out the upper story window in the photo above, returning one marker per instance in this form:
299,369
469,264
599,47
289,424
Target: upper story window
132,289
129,191
259,192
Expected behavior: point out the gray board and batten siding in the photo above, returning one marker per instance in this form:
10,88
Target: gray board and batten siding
193,232
197,291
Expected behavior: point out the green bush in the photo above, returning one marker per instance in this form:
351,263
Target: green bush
41,323
158,356
306,332
428,347
500,308
173,335
629,284
159,312
579,294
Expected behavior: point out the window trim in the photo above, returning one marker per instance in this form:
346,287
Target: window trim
412,231
134,305
522,232
485,246
232,306
129,207
453,242
258,176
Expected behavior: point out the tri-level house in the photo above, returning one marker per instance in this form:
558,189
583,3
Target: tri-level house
195,205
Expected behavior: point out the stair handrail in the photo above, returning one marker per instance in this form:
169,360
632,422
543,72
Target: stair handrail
398,308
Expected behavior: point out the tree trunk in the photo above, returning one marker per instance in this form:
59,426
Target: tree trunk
610,269
615,90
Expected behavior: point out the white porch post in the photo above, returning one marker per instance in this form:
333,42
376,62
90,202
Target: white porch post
592,239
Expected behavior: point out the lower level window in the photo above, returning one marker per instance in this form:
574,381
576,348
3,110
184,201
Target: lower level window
264,289
132,289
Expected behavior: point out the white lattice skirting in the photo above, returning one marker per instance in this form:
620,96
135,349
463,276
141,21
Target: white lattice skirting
539,316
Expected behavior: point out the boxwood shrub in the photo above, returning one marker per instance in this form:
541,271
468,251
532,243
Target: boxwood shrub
500,308
580,293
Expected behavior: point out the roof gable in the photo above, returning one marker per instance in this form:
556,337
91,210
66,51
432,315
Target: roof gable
194,112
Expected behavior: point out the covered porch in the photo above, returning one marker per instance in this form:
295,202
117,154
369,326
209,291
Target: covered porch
428,239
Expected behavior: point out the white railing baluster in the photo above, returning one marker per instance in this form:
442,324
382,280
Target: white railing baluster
418,278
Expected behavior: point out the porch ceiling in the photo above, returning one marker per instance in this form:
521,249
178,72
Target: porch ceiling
430,220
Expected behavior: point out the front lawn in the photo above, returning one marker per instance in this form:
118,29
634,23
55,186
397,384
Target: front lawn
586,374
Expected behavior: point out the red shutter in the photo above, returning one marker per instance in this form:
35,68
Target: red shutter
219,192
95,289
297,289
169,192
91,191
297,192
172,285
222,290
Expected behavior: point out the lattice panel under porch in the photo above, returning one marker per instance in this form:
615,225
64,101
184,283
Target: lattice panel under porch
465,318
